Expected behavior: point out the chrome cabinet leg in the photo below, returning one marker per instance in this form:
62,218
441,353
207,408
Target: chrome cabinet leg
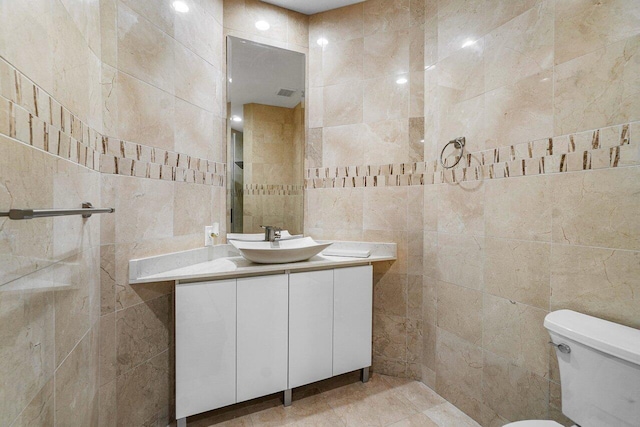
364,374
182,422
287,397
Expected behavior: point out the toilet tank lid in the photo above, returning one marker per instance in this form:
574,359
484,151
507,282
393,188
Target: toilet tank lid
611,338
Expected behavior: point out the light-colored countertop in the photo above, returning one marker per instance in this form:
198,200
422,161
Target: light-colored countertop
222,261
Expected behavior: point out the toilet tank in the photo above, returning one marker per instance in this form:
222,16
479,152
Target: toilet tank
600,376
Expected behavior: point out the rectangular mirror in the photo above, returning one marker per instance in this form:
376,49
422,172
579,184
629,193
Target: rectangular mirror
265,136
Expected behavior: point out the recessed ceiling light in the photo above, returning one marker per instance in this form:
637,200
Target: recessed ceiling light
323,42
401,81
263,25
230,80
180,6
236,119
469,42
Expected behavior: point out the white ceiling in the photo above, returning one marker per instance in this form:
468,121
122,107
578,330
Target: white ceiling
258,72
309,7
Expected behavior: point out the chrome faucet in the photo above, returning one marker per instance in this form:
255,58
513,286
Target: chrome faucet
271,233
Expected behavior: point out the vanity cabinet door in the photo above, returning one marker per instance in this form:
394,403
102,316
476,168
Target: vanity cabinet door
352,318
262,335
310,327
205,346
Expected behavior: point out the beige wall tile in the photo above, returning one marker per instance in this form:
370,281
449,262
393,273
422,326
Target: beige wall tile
297,28
385,208
86,17
461,209
429,334
459,21
430,209
466,118
385,99
390,294
33,312
521,47
513,392
144,51
194,131
345,210
459,370
611,76
130,295
241,15
461,76
142,332
76,69
196,80
109,32
341,62
145,113
40,411
72,185
416,96
162,14
201,33
386,53
518,270
143,209
191,208
597,208
108,362
414,296
345,23
500,11
22,245
387,141
109,100
525,214
74,302
584,26
143,391
31,23
460,260
521,112
385,15
415,208
400,238
342,104
107,412
460,311
390,336
76,384
343,145
598,282
515,331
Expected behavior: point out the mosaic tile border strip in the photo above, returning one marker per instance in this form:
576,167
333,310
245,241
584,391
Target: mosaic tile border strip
31,116
609,147
272,190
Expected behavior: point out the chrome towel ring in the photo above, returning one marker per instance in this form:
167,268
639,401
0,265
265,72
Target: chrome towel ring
458,143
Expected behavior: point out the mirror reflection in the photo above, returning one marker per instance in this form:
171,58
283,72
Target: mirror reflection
266,136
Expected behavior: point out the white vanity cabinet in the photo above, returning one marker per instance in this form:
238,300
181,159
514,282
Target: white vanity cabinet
352,318
205,346
243,338
262,335
310,327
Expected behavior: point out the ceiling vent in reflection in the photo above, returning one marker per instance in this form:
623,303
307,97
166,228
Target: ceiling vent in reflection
286,92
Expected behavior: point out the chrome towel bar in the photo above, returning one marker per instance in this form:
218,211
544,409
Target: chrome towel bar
86,211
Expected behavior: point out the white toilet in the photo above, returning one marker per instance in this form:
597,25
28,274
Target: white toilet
599,371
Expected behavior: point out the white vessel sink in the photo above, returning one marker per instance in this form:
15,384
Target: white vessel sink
280,251
257,237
